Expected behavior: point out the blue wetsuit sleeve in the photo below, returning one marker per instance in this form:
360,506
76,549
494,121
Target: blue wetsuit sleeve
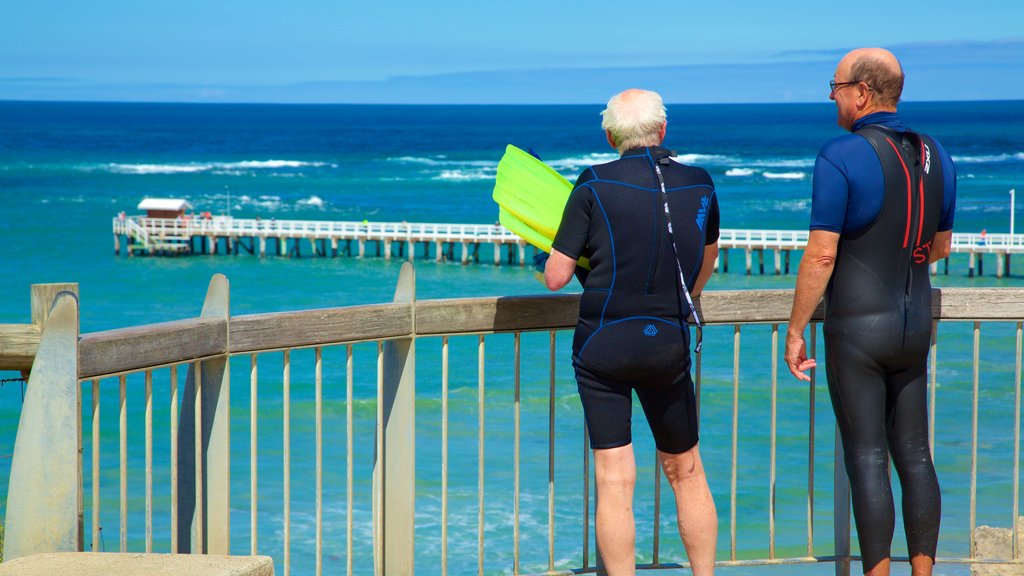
949,190
713,222
829,196
574,229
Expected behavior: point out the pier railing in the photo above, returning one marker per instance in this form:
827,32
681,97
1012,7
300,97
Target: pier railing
349,382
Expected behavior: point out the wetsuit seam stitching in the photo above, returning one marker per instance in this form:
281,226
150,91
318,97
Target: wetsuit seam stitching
611,237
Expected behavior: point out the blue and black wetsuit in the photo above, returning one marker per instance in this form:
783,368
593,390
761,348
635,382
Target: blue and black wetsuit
896,189
632,332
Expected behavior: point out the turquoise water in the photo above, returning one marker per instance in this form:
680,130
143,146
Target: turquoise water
67,169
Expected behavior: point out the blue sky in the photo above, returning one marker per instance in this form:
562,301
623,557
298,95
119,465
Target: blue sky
528,51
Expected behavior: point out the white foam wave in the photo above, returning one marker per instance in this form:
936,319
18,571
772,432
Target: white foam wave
990,158
466,175
230,168
157,168
784,175
712,159
785,163
314,201
739,172
442,160
575,163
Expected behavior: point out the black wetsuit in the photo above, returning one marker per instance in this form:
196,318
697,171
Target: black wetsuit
632,332
878,325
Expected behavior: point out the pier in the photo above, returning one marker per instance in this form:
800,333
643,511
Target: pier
224,235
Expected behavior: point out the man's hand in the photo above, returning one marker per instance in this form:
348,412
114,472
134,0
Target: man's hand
796,356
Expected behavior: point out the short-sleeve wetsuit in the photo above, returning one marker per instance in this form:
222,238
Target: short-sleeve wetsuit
886,191
632,331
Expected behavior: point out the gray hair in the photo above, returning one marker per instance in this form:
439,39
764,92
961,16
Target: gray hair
885,82
634,118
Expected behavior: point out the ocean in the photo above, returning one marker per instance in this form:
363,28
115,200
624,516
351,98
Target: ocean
66,169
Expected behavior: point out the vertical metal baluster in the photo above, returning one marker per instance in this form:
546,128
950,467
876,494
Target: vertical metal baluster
444,455
480,457
174,459
931,389
149,460
96,466
349,380
657,510
319,464
586,498
551,452
697,384
378,521
974,434
810,445
253,445
124,463
197,369
1016,444
735,437
287,464
516,455
774,435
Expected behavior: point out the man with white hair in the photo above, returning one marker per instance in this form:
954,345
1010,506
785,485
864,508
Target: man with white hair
649,227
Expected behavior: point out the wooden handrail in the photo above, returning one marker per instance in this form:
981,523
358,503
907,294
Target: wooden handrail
137,347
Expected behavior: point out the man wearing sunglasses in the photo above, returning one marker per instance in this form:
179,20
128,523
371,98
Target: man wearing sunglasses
881,212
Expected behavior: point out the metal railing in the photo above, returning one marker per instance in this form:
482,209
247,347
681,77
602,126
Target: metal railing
389,418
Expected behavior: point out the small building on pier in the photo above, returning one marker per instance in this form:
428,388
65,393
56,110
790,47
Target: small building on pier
164,207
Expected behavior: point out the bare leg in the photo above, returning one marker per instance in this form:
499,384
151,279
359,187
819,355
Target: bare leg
921,565
615,470
698,520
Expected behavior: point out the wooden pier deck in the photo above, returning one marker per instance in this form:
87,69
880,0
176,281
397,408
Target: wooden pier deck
463,242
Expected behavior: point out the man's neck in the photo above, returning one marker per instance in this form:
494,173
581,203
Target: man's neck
872,110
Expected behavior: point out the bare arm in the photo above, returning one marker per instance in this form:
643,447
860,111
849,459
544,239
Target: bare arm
815,271
558,270
706,268
942,242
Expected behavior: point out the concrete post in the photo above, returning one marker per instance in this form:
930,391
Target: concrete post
387,249
44,495
204,475
749,260
263,247
522,253
362,247
438,250
999,264
394,470
465,252
970,265
334,247
497,254
778,261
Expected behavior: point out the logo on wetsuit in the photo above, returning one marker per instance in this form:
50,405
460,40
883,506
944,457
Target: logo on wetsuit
927,158
650,330
702,212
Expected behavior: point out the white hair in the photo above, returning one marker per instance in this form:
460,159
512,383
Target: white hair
634,118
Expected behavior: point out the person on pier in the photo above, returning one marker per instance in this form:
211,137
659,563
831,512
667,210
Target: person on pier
649,226
881,212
